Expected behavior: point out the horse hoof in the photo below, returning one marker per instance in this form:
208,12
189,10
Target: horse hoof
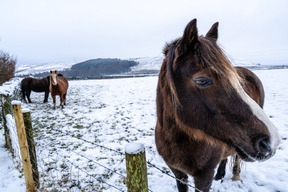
236,178
218,177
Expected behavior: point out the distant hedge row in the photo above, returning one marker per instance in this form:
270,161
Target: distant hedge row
7,67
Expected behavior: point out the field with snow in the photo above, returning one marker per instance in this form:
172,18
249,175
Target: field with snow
80,148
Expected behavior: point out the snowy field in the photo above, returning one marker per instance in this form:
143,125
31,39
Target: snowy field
80,148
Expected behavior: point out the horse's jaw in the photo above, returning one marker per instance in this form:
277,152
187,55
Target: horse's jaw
246,157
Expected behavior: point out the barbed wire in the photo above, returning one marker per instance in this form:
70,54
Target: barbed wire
165,172
84,171
149,163
99,164
36,122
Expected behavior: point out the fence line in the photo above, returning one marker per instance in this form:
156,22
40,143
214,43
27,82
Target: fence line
119,152
99,164
36,122
101,180
93,143
165,172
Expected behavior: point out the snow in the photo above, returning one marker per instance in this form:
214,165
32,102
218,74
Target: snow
15,102
43,67
10,178
102,116
148,63
25,110
134,148
8,87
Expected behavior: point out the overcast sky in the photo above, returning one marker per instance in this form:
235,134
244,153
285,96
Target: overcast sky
42,31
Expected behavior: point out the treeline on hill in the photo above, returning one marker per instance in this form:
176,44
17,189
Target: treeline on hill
95,68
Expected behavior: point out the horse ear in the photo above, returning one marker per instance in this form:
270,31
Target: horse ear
50,72
55,71
213,32
190,36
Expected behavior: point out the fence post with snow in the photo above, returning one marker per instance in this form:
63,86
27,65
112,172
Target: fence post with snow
136,167
31,145
6,109
24,150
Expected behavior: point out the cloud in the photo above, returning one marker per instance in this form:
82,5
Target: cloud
51,30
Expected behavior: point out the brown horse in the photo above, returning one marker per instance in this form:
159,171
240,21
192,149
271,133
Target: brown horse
37,85
58,86
208,110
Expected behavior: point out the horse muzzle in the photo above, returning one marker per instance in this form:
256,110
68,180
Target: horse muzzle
262,150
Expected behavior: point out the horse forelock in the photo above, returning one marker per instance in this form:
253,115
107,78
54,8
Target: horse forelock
213,57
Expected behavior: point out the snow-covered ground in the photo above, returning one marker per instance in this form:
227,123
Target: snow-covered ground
80,148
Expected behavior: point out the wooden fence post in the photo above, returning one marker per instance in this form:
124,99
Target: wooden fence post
136,168
23,145
31,145
6,109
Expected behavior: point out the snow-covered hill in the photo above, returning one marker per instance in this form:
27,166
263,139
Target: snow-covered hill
146,66
31,69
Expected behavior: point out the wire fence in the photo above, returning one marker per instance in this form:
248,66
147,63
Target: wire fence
54,174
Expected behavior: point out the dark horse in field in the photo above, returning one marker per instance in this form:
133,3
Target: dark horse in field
38,85
208,110
58,86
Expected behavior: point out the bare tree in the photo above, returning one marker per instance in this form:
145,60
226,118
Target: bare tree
7,67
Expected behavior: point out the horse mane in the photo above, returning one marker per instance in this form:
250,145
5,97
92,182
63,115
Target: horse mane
170,51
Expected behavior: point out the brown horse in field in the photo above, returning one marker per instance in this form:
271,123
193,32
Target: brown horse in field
208,110
37,85
58,86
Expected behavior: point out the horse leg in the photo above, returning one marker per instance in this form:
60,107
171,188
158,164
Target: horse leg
64,97
61,101
203,179
236,169
24,95
221,170
28,93
54,101
181,177
46,96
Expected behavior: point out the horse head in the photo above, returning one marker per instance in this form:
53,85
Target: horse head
53,77
206,94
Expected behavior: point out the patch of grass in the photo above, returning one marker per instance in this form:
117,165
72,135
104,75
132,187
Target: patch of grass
77,126
64,166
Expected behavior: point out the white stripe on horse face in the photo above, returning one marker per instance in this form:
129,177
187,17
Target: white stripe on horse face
257,111
54,82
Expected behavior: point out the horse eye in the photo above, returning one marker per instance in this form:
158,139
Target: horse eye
203,82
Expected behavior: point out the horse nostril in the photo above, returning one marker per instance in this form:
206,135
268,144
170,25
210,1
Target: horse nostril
264,146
